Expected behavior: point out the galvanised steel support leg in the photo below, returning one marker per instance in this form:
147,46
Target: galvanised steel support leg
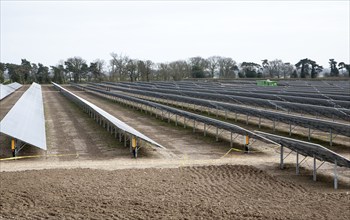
231,144
168,117
315,169
335,175
225,114
205,130
297,168
124,139
281,159
259,122
309,135
184,122
175,120
120,136
217,112
290,129
330,137
236,117
130,143
217,134
247,122
194,125
274,125
115,132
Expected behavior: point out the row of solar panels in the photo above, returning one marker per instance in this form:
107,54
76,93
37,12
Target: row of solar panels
328,112
113,120
26,121
318,124
334,92
250,92
304,148
6,90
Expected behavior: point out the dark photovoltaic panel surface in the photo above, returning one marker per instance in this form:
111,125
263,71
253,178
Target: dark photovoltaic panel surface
328,112
209,121
318,124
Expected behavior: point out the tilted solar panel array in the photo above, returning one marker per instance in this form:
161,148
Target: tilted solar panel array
209,121
6,90
115,121
26,121
318,124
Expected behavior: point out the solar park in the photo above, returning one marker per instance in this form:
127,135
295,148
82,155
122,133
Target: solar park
303,125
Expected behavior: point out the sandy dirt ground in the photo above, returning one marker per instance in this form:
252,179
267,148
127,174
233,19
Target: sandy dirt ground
207,192
87,174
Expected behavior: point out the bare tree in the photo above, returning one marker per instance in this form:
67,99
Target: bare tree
227,67
118,65
213,64
179,70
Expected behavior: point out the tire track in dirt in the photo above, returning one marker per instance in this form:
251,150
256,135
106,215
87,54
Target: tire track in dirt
207,192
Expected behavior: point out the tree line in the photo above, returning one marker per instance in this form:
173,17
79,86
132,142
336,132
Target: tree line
123,68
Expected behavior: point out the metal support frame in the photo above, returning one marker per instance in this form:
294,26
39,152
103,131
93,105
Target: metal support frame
299,163
217,134
281,158
259,122
314,169
335,175
330,137
18,147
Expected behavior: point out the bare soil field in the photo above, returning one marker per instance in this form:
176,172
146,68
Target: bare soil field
88,174
207,192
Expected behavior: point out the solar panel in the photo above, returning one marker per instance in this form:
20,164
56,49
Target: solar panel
329,112
15,85
308,149
319,124
206,120
6,90
25,121
115,121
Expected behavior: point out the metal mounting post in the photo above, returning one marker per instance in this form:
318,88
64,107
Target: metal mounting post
281,159
290,129
176,120
315,169
330,137
297,168
231,144
184,122
194,125
259,122
205,131
217,134
335,175
309,135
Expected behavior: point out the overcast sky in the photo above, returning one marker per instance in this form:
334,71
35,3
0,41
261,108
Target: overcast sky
50,31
